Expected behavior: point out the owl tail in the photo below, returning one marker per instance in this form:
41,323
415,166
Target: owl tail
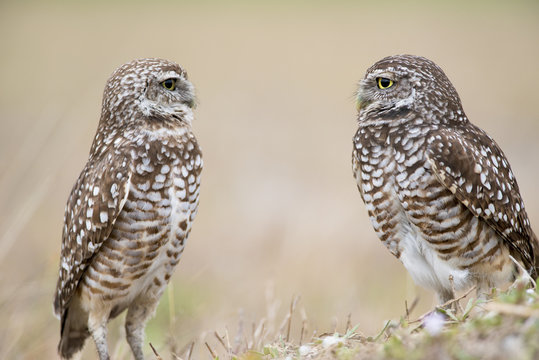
74,331
535,244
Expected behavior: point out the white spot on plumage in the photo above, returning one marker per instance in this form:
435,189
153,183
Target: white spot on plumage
377,181
144,186
377,173
483,178
367,187
154,196
179,182
411,160
401,177
477,168
184,171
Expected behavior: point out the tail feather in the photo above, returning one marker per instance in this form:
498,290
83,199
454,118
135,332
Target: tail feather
535,245
73,333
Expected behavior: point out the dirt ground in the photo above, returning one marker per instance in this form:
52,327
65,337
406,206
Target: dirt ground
280,214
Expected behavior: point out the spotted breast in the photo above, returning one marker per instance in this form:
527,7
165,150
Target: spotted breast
438,240
148,238
439,191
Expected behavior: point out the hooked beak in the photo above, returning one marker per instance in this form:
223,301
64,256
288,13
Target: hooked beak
361,102
358,104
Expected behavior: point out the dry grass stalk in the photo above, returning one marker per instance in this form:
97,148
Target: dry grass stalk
190,351
348,323
239,336
303,325
157,356
221,341
512,309
292,308
447,303
213,356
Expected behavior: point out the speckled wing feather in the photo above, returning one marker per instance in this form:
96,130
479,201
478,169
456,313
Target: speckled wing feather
356,169
471,165
92,208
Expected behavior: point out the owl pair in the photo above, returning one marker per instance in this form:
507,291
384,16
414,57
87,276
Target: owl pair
439,191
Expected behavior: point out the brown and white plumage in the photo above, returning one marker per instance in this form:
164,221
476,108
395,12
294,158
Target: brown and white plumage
439,191
131,209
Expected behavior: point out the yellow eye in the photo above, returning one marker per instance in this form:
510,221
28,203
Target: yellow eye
384,83
169,84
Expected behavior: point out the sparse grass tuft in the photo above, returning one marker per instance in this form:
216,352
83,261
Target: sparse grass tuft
507,326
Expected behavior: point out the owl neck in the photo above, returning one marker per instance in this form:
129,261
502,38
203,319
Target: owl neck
140,132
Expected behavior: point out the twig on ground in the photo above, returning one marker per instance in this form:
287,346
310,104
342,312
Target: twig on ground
452,282
186,350
239,335
524,271
190,352
292,308
221,341
445,304
258,335
348,322
213,356
512,309
227,339
382,332
459,298
155,352
303,325
411,308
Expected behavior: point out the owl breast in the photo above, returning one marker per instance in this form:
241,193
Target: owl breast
149,234
417,218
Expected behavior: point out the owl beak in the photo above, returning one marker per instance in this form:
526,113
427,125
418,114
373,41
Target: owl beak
358,104
192,104
361,102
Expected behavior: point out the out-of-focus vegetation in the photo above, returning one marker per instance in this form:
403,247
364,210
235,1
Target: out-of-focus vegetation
275,118
505,327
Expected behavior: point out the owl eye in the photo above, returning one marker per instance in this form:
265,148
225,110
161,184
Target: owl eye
384,83
169,84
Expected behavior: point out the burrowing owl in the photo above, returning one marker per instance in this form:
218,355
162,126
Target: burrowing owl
131,209
439,192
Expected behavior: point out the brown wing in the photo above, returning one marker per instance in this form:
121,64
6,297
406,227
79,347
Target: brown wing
472,166
92,208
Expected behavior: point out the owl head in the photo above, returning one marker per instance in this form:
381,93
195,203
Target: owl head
153,90
403,86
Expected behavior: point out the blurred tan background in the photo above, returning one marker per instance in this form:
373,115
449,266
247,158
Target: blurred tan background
279,209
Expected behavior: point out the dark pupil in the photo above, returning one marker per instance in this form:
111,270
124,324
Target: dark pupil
169,83
384,82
